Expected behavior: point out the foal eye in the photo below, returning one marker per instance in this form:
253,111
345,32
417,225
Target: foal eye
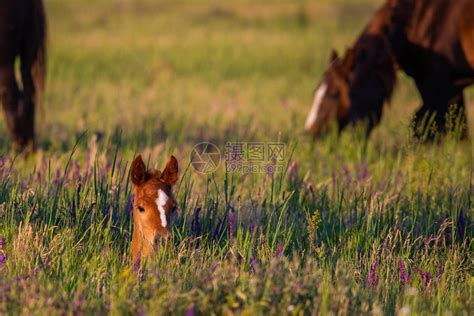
141,209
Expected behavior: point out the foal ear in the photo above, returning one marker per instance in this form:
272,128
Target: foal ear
138,171
170,173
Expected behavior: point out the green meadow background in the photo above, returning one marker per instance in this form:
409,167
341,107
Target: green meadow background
349,227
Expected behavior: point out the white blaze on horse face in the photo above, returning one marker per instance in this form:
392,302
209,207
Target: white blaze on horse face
160,203
314,112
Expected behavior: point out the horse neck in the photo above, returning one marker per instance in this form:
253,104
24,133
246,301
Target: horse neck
390,22
385,27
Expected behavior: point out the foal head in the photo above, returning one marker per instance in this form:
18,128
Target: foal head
153,205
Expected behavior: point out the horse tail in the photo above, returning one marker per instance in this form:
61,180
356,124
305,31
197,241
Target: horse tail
36,49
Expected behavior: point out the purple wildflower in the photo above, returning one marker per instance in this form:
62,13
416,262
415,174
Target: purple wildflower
279,250
108,165
252,228
426,277
89,160
140,273
373,280
77,304
142,276
253,262
67,174
3,259
57,177
277,290
38,177
363,172
347,175
384,245
142,311
41,170
191,311
299,286
77,171
130,206
44,164
3,243
136,265
404,278
293,171
196,224
47,262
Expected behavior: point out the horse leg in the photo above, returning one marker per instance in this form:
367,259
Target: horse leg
10,97
26,110
32,54
430,119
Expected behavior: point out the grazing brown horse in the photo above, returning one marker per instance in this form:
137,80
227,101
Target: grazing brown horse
153,205
430,40
23,35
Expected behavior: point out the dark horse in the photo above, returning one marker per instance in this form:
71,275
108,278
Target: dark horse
430,40
23,35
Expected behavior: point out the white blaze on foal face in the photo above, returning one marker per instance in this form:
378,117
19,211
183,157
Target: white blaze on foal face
315,108
161,201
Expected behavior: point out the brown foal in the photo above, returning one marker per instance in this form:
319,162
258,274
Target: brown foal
153,205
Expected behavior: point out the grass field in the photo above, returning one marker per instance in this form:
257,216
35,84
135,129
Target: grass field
345,228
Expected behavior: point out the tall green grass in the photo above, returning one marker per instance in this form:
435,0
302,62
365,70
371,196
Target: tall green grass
348,227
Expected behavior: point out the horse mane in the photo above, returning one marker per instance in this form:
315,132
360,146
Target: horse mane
376,48
373,55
